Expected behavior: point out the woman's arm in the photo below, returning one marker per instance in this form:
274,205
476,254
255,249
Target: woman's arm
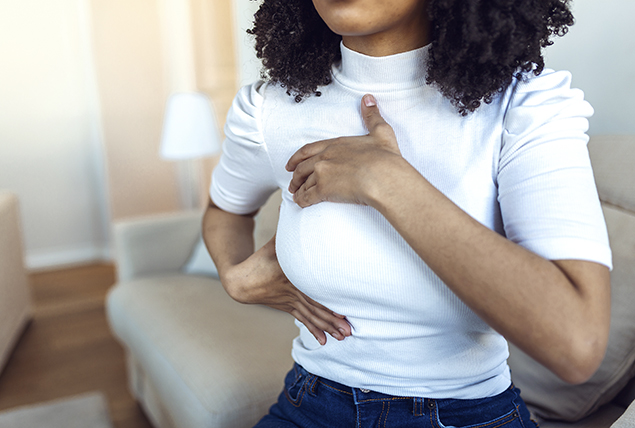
257,278
556,311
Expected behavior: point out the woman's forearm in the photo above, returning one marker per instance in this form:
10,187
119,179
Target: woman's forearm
557,311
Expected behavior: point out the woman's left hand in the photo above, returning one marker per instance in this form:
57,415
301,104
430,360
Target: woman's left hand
346,169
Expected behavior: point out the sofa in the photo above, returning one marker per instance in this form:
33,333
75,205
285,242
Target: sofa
196,358
15,296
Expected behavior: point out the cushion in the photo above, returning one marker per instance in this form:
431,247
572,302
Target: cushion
175,325
550,398
612,157
200,262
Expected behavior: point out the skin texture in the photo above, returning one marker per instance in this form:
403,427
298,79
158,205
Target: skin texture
376,27
556,311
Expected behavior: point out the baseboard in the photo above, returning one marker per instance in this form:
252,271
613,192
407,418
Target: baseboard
57,257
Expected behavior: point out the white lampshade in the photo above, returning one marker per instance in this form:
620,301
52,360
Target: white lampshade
189,128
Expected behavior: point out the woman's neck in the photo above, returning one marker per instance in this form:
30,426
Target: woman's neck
380,45
393,41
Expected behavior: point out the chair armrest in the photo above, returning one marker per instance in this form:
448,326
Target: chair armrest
15,295
155,244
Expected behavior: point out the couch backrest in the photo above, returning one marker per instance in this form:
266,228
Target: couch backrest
613,159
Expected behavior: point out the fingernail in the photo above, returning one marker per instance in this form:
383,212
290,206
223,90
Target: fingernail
341,330
370,101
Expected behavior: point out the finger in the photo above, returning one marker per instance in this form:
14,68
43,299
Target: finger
301,172
307,196
305,152
324,318
373,120
308,183
319,322
319,334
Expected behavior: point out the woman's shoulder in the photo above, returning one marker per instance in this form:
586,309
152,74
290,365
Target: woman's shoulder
538,99
548,84
243,122
252,108
250,96
254,98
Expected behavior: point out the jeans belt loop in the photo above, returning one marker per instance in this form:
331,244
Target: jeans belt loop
312,384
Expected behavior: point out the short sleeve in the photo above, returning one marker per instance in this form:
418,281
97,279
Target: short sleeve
546,190
243,179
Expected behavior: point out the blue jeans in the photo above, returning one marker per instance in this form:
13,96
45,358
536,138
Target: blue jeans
309,401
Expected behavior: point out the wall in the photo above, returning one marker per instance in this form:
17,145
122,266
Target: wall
599,51
248,66
83,85
49,135
215,64
130,73
84,82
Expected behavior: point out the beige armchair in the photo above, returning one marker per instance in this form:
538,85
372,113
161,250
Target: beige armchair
15,297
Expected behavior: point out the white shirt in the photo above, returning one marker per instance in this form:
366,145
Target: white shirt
518,165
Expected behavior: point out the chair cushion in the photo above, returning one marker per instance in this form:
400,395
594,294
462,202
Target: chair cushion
200,262
214,362
550,398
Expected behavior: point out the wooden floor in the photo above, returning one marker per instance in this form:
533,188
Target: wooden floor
68,349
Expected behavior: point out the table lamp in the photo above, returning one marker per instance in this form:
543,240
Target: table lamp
190,132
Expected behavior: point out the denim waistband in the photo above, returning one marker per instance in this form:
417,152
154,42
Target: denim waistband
359,395
308,394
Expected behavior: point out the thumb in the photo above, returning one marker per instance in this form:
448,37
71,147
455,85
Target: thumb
372,118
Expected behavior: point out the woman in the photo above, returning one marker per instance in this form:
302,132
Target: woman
457,212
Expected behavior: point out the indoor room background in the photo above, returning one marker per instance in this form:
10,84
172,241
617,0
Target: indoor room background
83,87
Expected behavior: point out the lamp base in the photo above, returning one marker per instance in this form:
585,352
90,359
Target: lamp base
190,183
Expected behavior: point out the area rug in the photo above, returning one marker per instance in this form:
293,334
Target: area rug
80,411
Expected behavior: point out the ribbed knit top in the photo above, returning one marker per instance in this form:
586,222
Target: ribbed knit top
518,165
398,72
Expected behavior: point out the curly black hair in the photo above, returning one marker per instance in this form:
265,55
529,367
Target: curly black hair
477,46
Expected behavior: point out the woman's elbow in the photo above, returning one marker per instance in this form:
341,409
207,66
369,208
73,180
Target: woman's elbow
585,356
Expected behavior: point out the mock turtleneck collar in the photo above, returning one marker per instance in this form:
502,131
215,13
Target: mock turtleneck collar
401,71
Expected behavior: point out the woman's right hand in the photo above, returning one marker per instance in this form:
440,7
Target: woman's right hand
260,280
